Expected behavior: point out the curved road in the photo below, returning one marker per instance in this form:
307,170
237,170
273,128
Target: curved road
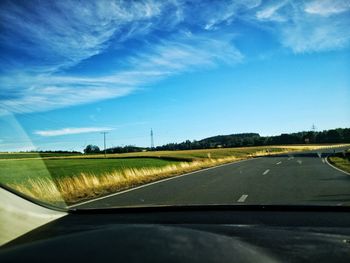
295,178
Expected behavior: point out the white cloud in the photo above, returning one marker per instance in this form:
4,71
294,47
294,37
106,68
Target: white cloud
327,7
306,37
68,32
221,12
307,26
43,96
184,53
85,31
271,12
69,131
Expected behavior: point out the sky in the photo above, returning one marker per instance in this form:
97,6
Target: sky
70,70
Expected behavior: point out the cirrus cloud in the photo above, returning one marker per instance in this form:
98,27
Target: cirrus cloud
327,7
306,26
143,41
70,131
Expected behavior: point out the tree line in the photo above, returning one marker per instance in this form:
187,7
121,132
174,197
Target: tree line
339,135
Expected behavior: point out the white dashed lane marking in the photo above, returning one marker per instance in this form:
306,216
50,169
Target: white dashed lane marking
266,172
278,163
242,199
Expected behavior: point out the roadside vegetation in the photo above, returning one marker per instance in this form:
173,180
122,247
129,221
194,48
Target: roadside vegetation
74,178
341,160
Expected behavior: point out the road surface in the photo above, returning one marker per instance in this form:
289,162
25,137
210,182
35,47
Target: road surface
297,178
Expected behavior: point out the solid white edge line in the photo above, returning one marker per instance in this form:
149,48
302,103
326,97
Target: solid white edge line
336,168
160,181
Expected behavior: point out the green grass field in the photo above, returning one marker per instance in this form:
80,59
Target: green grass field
33,155
18,171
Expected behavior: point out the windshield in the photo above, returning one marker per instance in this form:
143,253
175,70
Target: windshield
144,103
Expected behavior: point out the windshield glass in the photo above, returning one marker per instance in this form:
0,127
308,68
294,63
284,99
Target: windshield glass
142,103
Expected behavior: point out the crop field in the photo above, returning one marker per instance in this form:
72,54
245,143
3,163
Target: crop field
62,178
181,155
34,155
222,152
19,171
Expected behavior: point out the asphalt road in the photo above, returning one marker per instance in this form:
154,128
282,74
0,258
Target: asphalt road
296,178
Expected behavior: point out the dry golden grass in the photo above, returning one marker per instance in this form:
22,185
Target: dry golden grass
87,186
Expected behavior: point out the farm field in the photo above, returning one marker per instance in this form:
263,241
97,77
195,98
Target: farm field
19,171
182,155
225,152
21,155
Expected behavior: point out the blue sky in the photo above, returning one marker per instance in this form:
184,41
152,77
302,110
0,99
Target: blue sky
188,69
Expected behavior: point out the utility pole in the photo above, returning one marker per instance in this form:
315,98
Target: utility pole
104,142
313,135
313,128
152,141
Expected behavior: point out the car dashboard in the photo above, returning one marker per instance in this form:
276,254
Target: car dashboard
189,234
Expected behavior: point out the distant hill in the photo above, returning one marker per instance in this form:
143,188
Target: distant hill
339,135
229,140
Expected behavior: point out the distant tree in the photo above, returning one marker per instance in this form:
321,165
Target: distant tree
125,149
333,136
91,149
346,135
